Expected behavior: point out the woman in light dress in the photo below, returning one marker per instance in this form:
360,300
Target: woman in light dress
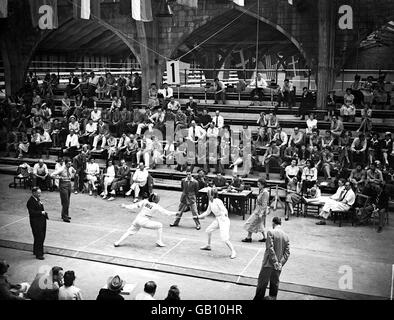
222,222
256,222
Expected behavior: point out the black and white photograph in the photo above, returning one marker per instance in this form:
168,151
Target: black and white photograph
217,152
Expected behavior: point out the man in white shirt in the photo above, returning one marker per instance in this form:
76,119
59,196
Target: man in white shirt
342,200
72,144
41,176
173,105
149,292
296,138
218,120
92,172
109,177
146,210
139,180
90,131
167,92
145,151
212,132
196,133
281,137
311,124
95,115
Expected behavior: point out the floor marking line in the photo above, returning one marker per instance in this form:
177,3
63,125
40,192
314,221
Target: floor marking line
167,252
392,282
12,223
249,263
97,240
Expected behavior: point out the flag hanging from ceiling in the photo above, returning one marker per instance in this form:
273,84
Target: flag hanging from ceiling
142,10
239,2
3,8
86,9
188,3
44,14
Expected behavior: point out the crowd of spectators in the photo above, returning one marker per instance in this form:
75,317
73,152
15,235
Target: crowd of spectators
55,284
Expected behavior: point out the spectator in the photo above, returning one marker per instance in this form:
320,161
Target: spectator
205,119
293,195
53,282
173,105
311,124
309,176
131,150
93,83
331,104
258,84
95,115
115,286
220,91
218,120
344,145
68,291
387,148
109,176
102,132
297,138
173,294
358,150
121,179
336,127
72,144
41,176
153,100
306,103
92,174
9,291
149,291
192,105
366,119
145,151
272,156
272,125
342,200
328,163
166,93
79,164
139,180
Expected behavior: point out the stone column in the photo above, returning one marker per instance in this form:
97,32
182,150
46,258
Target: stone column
152,64
325,72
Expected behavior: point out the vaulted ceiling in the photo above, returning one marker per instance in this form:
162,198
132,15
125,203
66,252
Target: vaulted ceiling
85,37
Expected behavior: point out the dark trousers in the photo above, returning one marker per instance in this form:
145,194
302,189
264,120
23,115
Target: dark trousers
183,207
65,194
38,227
79,179
271,276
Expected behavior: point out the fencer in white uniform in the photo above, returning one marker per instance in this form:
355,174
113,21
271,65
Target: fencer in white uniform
222,222
147,209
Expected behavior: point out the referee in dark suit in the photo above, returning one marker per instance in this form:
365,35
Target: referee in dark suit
38,222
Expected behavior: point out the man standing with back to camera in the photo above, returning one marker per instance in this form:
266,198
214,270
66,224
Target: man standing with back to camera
38,222
277,253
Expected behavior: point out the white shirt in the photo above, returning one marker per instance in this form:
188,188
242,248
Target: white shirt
345,195
220,121
144,296
281,136
43,169
123,142
148,209
292,171
260,83
217,208
168,94
200,133
212,132
92,168
91,128
140,176
45,137
70,293
311,124
96,116
110,172
72,141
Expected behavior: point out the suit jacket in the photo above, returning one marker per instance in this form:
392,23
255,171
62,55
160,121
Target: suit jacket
123,173
277,248
35,208
189,191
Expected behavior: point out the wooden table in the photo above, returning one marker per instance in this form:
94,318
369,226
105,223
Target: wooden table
244,198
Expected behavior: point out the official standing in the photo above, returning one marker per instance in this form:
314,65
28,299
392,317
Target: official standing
64,174
277,253
188,199
38,222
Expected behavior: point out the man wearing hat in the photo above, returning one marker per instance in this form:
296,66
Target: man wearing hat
38,222
277,253
147,208
115,286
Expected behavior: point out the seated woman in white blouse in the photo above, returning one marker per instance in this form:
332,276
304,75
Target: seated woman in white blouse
309,176
222,222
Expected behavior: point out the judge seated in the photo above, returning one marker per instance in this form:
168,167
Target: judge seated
341,201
